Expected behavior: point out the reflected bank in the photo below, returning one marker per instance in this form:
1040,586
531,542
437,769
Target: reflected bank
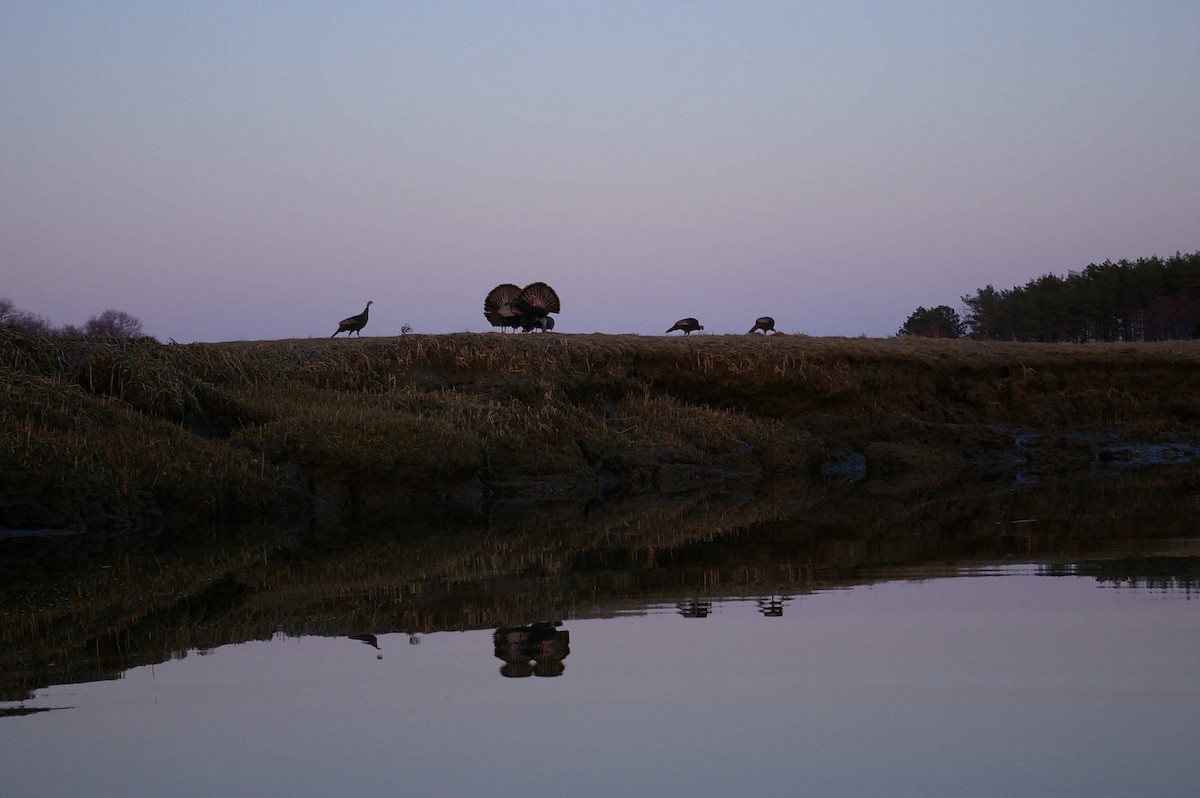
71,615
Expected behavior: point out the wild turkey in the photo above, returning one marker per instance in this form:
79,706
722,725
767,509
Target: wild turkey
527,308
354,324
688,325
764,323
542,301
499,307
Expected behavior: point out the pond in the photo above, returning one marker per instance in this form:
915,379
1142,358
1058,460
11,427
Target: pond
1032,642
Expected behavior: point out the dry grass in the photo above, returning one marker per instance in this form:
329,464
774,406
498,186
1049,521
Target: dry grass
218,432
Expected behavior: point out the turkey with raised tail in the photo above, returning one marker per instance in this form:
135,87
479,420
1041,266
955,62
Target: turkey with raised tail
354,324
528,308
688,325
499,306
764,323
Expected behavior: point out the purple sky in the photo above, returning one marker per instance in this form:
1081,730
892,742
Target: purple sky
227,170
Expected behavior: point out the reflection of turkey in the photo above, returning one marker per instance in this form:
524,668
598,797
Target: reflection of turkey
537,650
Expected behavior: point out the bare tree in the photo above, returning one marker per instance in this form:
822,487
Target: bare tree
28,323
114,323
8,309
69,331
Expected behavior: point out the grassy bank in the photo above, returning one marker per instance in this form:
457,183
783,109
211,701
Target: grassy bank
125,437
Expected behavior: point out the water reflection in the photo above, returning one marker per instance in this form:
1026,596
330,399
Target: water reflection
1160,573
769,606
694,608
62,622
772,606
370,640
1000,681
535,650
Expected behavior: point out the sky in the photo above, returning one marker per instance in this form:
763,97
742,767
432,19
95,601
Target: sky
233,170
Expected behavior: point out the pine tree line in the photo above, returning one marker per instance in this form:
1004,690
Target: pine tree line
1150,299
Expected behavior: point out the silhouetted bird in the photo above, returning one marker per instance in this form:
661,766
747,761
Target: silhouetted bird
541,300
764,323
527,308
355,323
500,308
688,325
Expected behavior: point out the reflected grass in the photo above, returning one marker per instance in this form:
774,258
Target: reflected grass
574,561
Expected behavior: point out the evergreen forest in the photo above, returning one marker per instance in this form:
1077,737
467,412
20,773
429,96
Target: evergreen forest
1150,299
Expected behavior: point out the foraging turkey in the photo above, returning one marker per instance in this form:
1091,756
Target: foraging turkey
764,323
507,305
688,325
354,324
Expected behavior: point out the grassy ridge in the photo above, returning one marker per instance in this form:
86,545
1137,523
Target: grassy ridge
114,435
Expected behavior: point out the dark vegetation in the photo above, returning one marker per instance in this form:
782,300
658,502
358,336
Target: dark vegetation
940,322
111,438
1150,299
110,323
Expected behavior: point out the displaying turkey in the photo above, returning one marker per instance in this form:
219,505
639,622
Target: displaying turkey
500,306
542,300
528,308
764,323
354,324
688,325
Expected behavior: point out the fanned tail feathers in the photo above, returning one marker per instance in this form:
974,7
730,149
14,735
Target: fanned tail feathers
501,296
541,297
499,307
509,306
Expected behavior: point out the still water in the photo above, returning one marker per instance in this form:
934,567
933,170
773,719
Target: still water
976,640
1018,680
